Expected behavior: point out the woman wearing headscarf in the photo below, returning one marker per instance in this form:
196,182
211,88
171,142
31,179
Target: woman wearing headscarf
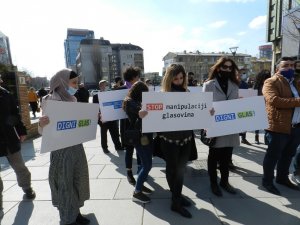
68,172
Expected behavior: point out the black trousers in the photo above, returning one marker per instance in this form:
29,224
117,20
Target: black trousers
113,128
176,157
223,156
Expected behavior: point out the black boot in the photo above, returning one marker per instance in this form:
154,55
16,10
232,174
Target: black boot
130,177
177,207
82,220
216,189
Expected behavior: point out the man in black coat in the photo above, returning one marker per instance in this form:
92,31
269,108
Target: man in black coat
82,94
112,126
12,133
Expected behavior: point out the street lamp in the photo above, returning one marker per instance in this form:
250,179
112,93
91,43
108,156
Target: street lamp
233,50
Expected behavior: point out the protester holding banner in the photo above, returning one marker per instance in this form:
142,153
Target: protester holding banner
283,109
144,147
111,126
258,85
223,82
68,172
131,75
176,145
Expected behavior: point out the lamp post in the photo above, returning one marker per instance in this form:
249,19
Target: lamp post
233,50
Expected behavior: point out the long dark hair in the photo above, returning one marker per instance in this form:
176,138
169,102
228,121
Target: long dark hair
214,70
260,78
135,93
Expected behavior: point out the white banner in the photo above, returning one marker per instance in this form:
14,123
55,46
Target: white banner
71,123
245,93
110,103
173,111
195,88
239,115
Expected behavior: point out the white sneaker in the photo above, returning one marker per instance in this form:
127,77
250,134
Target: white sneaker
296,179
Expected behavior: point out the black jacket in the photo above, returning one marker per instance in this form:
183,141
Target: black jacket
11,126
82,95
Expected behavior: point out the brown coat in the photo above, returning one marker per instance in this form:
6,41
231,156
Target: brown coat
280,104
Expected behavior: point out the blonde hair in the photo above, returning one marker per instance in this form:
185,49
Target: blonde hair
172,71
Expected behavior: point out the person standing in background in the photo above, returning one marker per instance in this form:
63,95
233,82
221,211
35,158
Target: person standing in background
112,126
82,94
258,85
33,101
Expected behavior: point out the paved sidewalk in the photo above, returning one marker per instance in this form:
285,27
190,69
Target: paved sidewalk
110,202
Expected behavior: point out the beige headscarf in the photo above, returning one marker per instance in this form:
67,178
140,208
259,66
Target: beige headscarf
59,85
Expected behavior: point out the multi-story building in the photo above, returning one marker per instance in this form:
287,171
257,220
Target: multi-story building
5,55
200,63
94,61
74,36
126,55
257,65
283,28
265,52
99,59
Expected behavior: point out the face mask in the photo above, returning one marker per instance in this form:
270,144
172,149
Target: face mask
106,88
288,74
244,76
297,71
71,90
225,74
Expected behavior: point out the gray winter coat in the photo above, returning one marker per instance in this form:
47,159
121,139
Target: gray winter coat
231,140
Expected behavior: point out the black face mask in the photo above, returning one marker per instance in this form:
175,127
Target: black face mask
297,71
177,87
224,74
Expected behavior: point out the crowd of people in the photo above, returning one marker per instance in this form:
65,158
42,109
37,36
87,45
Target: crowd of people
68,173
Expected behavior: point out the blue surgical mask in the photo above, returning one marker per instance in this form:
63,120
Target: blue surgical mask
288,74
71,90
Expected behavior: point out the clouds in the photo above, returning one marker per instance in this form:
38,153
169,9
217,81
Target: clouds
218,24
258,22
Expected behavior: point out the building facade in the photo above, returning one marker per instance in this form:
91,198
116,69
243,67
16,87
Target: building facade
98,59
71,44
200,63
282,21
265,52
5,55
125,55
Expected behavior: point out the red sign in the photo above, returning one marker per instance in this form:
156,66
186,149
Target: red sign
154,106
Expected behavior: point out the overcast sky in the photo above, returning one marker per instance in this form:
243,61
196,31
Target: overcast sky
37,29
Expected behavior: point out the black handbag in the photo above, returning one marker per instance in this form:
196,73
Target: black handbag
205,140
132,136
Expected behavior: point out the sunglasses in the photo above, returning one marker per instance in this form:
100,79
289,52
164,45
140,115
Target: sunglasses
225,67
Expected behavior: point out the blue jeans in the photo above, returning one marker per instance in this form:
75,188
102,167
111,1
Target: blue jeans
145,154
280,151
